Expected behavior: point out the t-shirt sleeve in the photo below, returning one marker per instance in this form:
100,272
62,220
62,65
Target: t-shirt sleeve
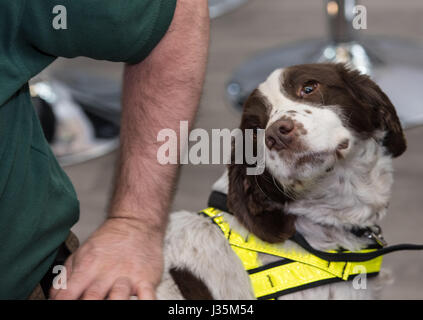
114,30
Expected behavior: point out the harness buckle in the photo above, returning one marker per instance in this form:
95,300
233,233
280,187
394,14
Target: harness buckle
375,233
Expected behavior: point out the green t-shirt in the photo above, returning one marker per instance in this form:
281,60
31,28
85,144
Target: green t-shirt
38,204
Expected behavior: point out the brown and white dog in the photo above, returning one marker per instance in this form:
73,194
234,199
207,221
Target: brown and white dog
330,135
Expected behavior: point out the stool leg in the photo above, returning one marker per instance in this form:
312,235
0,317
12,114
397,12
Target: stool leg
395,64
339,15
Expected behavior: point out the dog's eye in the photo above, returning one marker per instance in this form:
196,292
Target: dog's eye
308,88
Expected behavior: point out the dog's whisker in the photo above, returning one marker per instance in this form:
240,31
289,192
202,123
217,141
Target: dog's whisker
321,95
265,178
258,185
285,192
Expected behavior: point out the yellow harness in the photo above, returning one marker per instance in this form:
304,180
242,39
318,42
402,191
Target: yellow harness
297,269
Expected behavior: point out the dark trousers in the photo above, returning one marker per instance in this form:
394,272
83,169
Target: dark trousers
41,291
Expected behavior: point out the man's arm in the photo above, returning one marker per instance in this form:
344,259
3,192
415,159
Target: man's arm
124,256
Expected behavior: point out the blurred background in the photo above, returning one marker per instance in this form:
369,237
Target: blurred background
238,37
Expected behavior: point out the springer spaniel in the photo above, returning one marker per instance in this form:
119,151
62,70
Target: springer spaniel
330,136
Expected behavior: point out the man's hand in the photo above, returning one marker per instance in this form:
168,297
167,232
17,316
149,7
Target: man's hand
121,259
125,255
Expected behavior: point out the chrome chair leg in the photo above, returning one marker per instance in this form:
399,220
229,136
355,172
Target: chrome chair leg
395,64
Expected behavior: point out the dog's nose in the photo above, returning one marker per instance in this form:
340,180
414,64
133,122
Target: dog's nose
279,134
285,125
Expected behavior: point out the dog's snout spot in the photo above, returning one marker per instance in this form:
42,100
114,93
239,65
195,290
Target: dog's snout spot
301,129
308,111
343,145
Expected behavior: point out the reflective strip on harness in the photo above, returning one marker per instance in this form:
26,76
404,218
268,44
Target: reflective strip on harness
297,269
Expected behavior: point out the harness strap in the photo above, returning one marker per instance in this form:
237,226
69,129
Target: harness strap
353,256
296,270
219,200
341,268
290,276
299,267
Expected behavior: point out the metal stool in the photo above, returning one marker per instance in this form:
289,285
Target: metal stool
395,64
80,118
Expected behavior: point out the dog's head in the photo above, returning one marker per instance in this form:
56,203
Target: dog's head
315,117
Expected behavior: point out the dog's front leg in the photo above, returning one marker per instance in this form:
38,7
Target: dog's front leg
200,256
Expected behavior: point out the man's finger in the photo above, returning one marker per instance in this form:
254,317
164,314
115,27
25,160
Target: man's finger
146,292
121,289
76,285
97,290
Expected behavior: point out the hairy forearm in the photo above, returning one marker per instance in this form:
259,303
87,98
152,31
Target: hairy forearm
158,93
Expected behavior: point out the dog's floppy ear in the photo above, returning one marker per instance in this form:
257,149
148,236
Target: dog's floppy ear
249,202
256,200
384,116
394,140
